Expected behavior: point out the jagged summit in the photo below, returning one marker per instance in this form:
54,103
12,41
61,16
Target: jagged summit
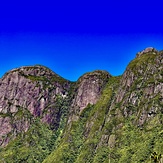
99,73
36,73
147,50
37,70
89,88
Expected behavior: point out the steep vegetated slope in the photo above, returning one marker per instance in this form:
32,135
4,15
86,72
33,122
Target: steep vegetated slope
33,102
99,118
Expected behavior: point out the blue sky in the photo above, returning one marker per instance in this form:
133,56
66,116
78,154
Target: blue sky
72,38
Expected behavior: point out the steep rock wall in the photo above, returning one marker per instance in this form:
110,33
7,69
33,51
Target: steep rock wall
27,93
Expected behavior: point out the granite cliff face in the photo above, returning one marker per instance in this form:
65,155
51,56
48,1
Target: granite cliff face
27,93
88,90
34,91
128,116
99,118
141,86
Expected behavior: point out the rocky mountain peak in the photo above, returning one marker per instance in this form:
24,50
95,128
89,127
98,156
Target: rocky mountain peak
147,50
36,70
141,82
89,88
87,91
96,73
45,118
27,93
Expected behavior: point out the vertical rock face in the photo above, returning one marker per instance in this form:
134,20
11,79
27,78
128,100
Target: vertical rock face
142,86
27,93
30,92
89,88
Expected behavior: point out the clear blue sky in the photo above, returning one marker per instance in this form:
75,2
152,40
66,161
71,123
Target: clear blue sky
74,37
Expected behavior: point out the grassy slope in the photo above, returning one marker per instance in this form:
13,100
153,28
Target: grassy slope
79,144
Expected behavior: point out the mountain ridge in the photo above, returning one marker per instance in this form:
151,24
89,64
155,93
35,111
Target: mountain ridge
94,119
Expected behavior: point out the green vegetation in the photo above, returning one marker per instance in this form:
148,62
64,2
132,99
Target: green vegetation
99,135
79,143
141,63
39,141
156,157
127,131
32,146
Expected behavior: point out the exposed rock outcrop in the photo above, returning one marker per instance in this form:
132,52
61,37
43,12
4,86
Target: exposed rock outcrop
142,86
89,88
147,50
35,91
88,91
27,93
96,119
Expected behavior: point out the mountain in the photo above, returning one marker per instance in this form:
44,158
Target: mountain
99,118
